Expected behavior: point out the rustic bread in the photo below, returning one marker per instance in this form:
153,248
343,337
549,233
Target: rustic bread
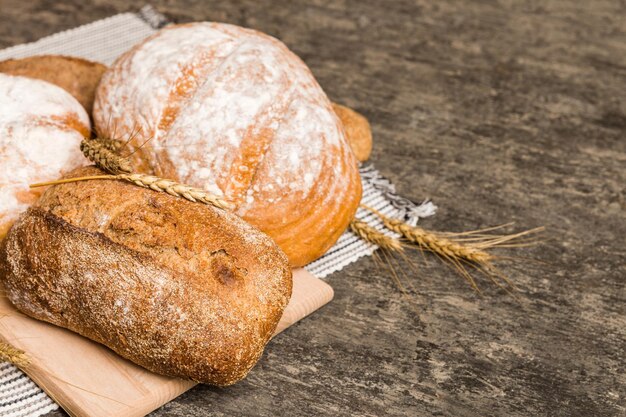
180,288
41,127
233,111
358,132
77,76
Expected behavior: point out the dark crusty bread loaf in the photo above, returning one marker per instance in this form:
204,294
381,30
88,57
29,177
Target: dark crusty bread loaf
180,288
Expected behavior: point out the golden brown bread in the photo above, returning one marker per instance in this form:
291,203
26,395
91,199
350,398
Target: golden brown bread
180,288
358,131
233,111
77,76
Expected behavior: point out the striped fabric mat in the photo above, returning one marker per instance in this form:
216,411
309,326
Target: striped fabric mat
103,41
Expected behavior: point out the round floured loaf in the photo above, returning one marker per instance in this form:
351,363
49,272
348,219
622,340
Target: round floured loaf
180,288
77,76
41,127
233,111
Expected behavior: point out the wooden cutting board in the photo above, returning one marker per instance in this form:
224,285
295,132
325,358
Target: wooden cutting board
88,379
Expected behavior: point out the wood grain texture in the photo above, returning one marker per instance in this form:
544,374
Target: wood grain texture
499,111
89,380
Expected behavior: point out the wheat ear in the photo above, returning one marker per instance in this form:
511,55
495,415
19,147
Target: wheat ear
176,189
378,238
460,249
103,157
467,246
13,355
112,145
19,358
102,152
154,183
436,243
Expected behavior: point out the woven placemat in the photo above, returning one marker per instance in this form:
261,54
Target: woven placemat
103,41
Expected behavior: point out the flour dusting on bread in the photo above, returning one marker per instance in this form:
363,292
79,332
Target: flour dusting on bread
41,126
235,112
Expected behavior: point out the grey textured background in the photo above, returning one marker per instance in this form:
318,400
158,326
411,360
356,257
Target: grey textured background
498,110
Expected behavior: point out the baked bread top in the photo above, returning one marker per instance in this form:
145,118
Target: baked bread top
77,76
41,127
180,288
233,111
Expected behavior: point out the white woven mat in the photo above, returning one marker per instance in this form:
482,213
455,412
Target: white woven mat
103,41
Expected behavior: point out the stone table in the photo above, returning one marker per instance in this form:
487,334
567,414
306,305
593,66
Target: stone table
498,111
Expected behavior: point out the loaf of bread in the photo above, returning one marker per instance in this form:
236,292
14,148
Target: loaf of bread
41,127
233,111
80,78
358,131
180,288
77,76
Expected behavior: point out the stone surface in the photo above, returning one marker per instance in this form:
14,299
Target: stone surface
498,111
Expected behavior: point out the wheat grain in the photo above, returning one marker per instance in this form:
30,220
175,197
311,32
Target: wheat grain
378,238
112,145
19,358
436,243
176,189
462,249
104,158
13,355
154,183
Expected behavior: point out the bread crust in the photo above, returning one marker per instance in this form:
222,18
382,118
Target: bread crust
234,111
77,76
41,127
180,288
358,131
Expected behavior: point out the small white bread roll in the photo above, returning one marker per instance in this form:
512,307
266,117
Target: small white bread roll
41,127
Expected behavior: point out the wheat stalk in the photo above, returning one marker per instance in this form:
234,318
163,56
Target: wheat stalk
13,355
460,249
154,183
19,358
436,243
105,158
176,189
378,238
451,245
103,152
